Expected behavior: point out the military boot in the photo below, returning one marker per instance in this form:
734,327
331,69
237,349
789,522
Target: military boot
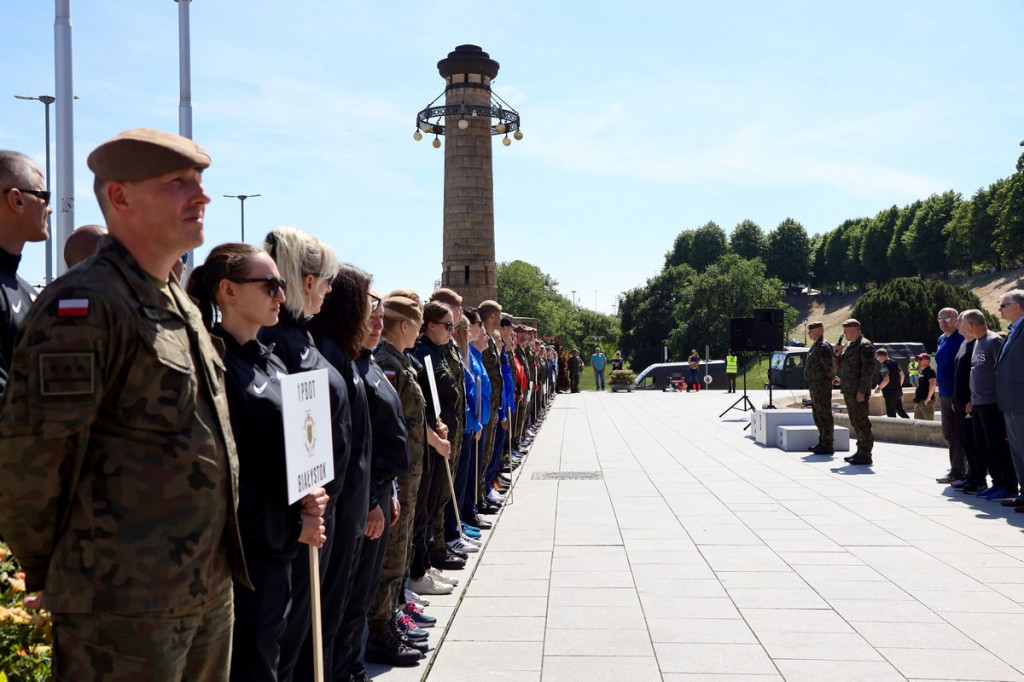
384,646
823,449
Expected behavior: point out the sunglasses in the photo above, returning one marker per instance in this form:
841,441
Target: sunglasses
41,193
450,326
945,319
274,284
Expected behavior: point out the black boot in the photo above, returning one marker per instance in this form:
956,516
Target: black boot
384,646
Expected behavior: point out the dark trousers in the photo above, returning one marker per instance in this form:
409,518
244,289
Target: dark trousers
990,437
462,487
432,475
500,442
894,405
365,576
957,458
693,379
300,617
260,617
732,382
977,471
574,382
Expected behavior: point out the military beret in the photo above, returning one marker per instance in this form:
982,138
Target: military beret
851,323
489,306
145,153
446,296
401,308
816,325
407,293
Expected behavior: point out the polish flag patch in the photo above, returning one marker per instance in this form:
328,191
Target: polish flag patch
73,307
390,374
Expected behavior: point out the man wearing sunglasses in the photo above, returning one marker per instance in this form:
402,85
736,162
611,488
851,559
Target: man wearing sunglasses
24,206
120,473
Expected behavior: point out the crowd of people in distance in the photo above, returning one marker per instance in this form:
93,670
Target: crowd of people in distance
145,485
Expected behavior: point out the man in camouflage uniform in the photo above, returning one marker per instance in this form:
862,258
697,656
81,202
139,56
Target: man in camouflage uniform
856,367
382,645
119,474
819,373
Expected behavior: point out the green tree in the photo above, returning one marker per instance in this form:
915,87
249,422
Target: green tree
903,310
970,233
680,252
874,244
787,252
817,263
926,245
853,237
646,315
1008,209
835,257
732,287
747,240
525,291
709,244
900,264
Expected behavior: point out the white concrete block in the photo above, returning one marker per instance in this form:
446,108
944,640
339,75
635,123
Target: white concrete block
764,423
798,438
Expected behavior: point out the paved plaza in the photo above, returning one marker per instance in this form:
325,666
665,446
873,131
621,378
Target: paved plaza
649,539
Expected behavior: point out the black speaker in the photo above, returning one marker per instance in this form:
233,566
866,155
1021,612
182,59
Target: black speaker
741,332
769,331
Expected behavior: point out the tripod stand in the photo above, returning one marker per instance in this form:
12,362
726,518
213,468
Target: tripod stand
743,400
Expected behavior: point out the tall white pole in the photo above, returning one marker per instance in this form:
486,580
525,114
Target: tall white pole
65,125
185,95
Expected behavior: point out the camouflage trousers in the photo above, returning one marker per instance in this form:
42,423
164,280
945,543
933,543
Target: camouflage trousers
399,551
821,408
150,646
437,518
860,422
926,411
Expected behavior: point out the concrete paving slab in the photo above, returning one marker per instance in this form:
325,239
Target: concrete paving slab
700,555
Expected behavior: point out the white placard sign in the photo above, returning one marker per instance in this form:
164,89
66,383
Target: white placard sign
308,438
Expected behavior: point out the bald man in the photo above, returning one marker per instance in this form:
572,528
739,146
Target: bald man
82,243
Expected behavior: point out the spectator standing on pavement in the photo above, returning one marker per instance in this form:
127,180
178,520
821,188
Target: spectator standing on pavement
989,427
913,371
1010,381
891,385
945,374
731,367
926,390
856,367
693,371
575,369
597,362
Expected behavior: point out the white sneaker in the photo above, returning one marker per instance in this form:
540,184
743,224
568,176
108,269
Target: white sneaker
415,598
427,585
440,577
471,541
460,546
495,497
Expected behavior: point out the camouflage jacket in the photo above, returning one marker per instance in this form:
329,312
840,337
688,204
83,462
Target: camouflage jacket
118,472
403,376
820,369
492,363
454,358
857,366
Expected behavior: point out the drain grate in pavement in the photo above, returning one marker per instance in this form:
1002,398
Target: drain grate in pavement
567,476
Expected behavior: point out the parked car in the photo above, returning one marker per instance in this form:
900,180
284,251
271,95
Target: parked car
660,374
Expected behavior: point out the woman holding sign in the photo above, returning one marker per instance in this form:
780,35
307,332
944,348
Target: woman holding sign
308,265
243,284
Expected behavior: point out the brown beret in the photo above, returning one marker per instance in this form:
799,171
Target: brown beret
407,293
816,325
489,306
145,153
446,296
401,308
851,323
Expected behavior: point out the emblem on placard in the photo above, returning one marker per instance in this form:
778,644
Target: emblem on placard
309,426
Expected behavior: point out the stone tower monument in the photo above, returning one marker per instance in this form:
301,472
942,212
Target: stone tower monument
471,116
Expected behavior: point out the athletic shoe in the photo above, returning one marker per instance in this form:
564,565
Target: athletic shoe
386,648
482,524
470,532
460,546
421,619
440,577
409,628
495,498
472,541
428,585
505,478
415,598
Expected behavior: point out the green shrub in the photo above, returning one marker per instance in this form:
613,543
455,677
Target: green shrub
621,377
25,634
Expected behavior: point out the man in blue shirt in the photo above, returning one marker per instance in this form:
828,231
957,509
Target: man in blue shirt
597,361
945,369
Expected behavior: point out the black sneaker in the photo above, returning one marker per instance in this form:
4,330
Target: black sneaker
387,649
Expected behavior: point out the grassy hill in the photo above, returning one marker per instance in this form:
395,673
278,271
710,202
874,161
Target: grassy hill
832,310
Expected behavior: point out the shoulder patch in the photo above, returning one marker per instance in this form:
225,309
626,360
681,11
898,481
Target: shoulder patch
66,374
73,307
390,374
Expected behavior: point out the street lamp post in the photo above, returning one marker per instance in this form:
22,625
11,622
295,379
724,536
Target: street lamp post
573,298
47,100
241,202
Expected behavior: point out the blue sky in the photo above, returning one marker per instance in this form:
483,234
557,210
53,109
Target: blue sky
640,119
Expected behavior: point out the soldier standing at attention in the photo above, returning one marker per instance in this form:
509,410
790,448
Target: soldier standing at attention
856,367
23,209
819,373
119,483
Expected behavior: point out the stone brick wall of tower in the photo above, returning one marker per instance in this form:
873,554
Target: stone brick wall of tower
469,198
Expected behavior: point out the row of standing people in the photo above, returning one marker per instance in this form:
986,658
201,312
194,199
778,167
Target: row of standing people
143,442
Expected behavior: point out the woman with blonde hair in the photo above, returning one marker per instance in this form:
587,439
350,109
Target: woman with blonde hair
311,264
